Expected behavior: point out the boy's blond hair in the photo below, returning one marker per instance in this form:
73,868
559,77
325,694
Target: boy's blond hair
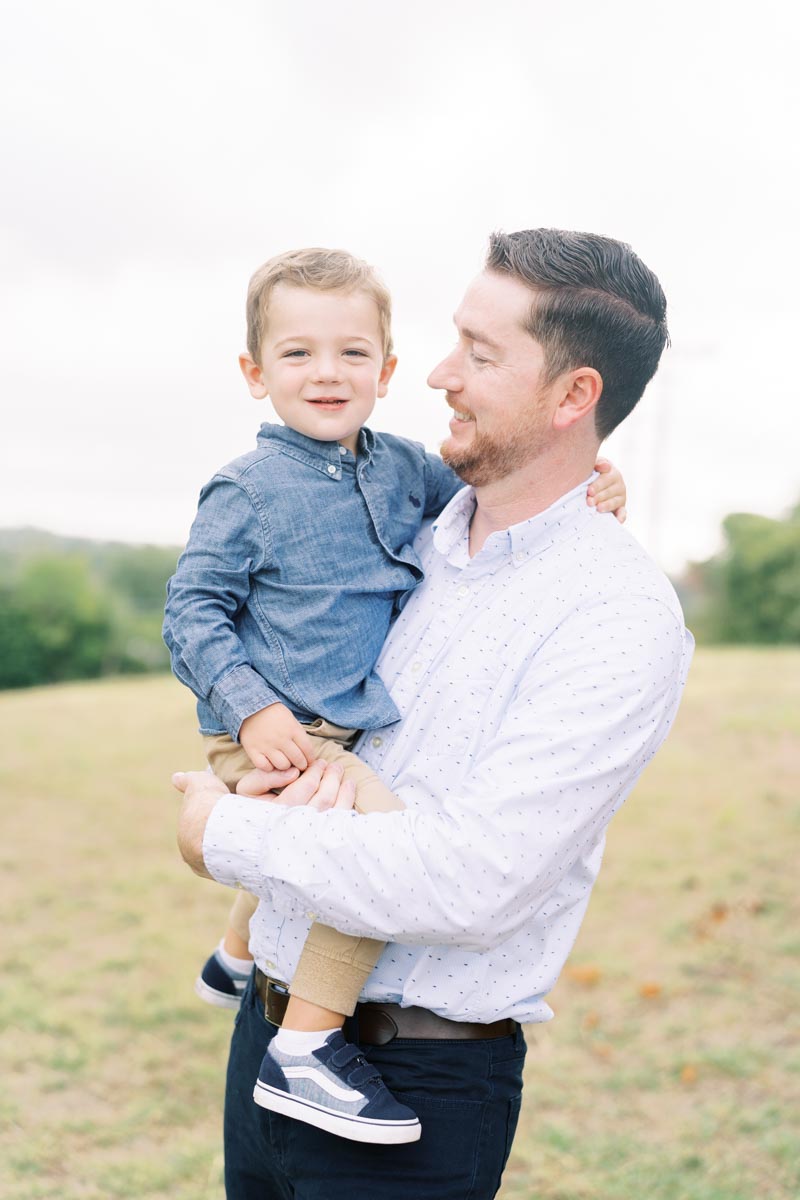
323,270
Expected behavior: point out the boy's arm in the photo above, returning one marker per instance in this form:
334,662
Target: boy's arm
228,541
441,484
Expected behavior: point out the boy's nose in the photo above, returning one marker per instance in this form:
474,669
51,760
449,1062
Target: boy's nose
326,370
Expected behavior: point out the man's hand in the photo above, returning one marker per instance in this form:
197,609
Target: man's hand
608,493
321,787
275,740
201,791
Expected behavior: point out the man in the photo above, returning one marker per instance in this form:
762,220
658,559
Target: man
537,669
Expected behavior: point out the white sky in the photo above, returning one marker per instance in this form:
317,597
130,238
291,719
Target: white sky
153,154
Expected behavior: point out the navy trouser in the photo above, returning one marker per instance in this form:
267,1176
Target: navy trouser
466,1094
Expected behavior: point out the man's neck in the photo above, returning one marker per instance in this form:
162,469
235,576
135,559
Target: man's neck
525,494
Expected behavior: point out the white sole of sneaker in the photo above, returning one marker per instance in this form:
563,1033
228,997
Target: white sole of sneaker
212,996
357,1129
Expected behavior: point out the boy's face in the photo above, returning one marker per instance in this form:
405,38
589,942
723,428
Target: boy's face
322,362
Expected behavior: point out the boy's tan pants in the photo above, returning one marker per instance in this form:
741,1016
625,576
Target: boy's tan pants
333,966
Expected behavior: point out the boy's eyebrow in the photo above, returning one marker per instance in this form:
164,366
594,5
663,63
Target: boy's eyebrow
304,337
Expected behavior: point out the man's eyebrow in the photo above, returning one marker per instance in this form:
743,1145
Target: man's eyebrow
474,335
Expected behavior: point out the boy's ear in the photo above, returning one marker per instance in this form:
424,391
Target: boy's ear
253,377
386,374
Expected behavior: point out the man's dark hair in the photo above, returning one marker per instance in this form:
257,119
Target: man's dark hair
596,305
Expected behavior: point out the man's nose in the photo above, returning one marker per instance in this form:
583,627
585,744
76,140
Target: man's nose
446,375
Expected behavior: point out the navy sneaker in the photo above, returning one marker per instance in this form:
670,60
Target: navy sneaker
219,986
336,1089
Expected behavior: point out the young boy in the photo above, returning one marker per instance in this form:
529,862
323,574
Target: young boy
300,555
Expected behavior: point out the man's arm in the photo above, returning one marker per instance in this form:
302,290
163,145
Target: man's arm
321,787
594,706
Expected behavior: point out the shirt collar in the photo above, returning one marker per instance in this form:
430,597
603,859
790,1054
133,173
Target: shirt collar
519,542
320,455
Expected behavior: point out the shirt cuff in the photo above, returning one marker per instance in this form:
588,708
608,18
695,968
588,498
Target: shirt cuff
234,835
238,695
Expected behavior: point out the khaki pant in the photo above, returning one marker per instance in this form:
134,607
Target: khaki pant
333,966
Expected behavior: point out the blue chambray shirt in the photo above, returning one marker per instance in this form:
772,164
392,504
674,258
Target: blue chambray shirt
298,558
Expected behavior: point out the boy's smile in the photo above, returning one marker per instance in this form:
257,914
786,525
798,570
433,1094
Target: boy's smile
321,362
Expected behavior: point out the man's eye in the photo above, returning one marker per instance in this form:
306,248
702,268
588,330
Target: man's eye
477,358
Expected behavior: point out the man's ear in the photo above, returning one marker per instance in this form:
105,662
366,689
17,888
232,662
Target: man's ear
581,390
386,374
253,377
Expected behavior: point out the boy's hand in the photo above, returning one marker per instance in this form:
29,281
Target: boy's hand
275,740
608,493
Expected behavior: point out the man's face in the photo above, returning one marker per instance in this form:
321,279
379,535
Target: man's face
321,362
494,383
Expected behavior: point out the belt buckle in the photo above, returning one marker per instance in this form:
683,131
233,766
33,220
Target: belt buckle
275,1001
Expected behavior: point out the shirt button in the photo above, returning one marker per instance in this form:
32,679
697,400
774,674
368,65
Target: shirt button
269,963
416,668
312,916
331,469
377,741
463,590
343,449
519,556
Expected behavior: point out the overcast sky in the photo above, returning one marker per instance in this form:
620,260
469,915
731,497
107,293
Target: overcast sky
153,154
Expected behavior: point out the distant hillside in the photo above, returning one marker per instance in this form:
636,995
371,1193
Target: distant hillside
76,608
27,540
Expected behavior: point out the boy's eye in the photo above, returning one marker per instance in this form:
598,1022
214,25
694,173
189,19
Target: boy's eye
356,353
295,353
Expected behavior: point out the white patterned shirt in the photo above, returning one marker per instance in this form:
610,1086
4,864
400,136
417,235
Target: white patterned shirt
535,681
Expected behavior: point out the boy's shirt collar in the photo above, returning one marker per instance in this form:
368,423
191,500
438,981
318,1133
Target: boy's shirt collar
321,455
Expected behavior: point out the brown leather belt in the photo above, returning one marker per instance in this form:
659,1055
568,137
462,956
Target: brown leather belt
377,1024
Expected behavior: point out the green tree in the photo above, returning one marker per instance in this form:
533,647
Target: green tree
55,624
140,574
752,589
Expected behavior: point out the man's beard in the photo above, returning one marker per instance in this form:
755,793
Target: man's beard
487,459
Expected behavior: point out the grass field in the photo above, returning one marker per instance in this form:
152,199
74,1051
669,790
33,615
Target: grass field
672,1071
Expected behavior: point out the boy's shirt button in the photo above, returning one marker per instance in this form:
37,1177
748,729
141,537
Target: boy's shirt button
377,741
331,469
